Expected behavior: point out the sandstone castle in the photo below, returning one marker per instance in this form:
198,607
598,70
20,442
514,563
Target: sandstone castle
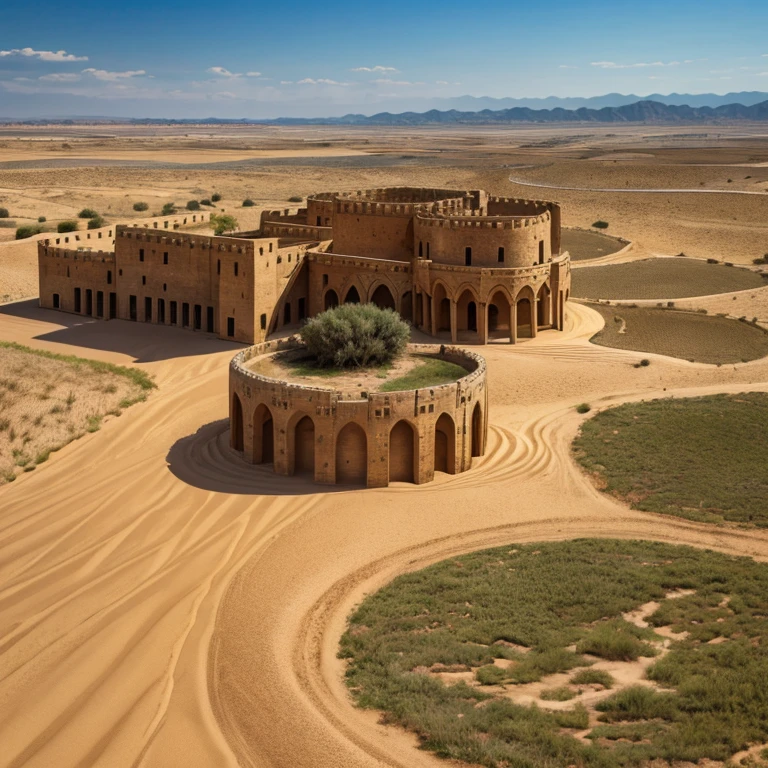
458,264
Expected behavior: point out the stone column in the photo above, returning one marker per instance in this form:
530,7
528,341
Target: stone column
513,323
482,322
454,323
433,319
534,316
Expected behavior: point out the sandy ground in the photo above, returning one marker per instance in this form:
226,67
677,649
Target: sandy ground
165,604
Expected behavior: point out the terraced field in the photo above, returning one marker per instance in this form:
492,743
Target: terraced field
673,278
687,335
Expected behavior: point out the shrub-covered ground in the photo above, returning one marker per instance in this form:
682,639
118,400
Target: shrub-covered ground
687,335
528,607
661,279
703,458
47,400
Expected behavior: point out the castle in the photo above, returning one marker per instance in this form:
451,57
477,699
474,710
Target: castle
458,264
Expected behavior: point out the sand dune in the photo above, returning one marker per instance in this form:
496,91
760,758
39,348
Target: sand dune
164,604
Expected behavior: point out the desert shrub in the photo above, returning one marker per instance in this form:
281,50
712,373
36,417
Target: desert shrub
4,213
222,223
592,677
7,223
28,230
87,213
562,693
638,702
67,226
205,201
41,219
490,674
168,209
355,335
193,205
215,197
295,199
583,408
140,206
96,222
645,362
616,640
248,203
600,224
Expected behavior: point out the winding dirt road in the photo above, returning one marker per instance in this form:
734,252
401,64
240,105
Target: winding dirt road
164,604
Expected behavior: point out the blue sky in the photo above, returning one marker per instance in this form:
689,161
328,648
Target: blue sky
255,59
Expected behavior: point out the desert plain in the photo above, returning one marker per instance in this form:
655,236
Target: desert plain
164,603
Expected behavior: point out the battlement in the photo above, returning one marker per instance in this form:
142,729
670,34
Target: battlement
359,262
76,254
480,220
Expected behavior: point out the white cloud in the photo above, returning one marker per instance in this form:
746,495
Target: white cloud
441,82
614,65
43,55
222,72
60,77
377,68
253,74
387,81
103,74
318,81
567,66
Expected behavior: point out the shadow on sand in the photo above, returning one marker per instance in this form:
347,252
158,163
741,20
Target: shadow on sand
205,460
145,343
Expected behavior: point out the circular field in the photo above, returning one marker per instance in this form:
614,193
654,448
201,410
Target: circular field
504,657
688,335
582,244
701,458
674,278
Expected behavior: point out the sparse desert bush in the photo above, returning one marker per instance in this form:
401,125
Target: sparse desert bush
562,693
140,206
193,205
600,224
87,213
645,362
205,201
616,640
67,226
248,203
41,219
28,230
4,213
583,408
215,197
592,677
222,223
295,199
96,222
355,335
168,209
490,674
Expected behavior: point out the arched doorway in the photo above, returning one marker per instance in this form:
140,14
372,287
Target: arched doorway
499,313
466,312
445,445
382,297
524,318
304,447
401,443
331,299
442,307
352,297
263,436
352,455
543,310
406,307
477,431
236,423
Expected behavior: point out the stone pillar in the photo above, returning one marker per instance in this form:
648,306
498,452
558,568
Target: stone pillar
433,319
534,316
454,322
513,323
482,322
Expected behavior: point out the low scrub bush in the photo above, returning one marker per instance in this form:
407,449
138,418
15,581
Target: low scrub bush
96,222
87,213
205,201
4,213
638,702
168,209
583,408
600,224
215,197
28,230
41,219
193,205
140,206
355,335
295,199
67,226
592,677
222,223
562,693
616,641
248,203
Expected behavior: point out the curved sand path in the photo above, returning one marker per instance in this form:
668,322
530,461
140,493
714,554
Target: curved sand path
163,604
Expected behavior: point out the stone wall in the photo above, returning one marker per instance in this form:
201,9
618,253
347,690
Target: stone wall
404,436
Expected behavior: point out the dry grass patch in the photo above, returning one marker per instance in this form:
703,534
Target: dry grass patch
583,244
688,335
48,400
674,278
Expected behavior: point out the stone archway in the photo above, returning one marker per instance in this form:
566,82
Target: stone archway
236,423
331,299
401,452
406,307
352,455
382,297
499,315
477,431
442,309
466,312
304,447
352,297
445,445
543,307
524,318
263,436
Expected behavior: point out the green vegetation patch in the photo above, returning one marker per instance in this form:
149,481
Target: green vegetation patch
701,458
687,335
582,244
673,278
431,373
465,612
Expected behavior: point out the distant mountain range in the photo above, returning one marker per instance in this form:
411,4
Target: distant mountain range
611,108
